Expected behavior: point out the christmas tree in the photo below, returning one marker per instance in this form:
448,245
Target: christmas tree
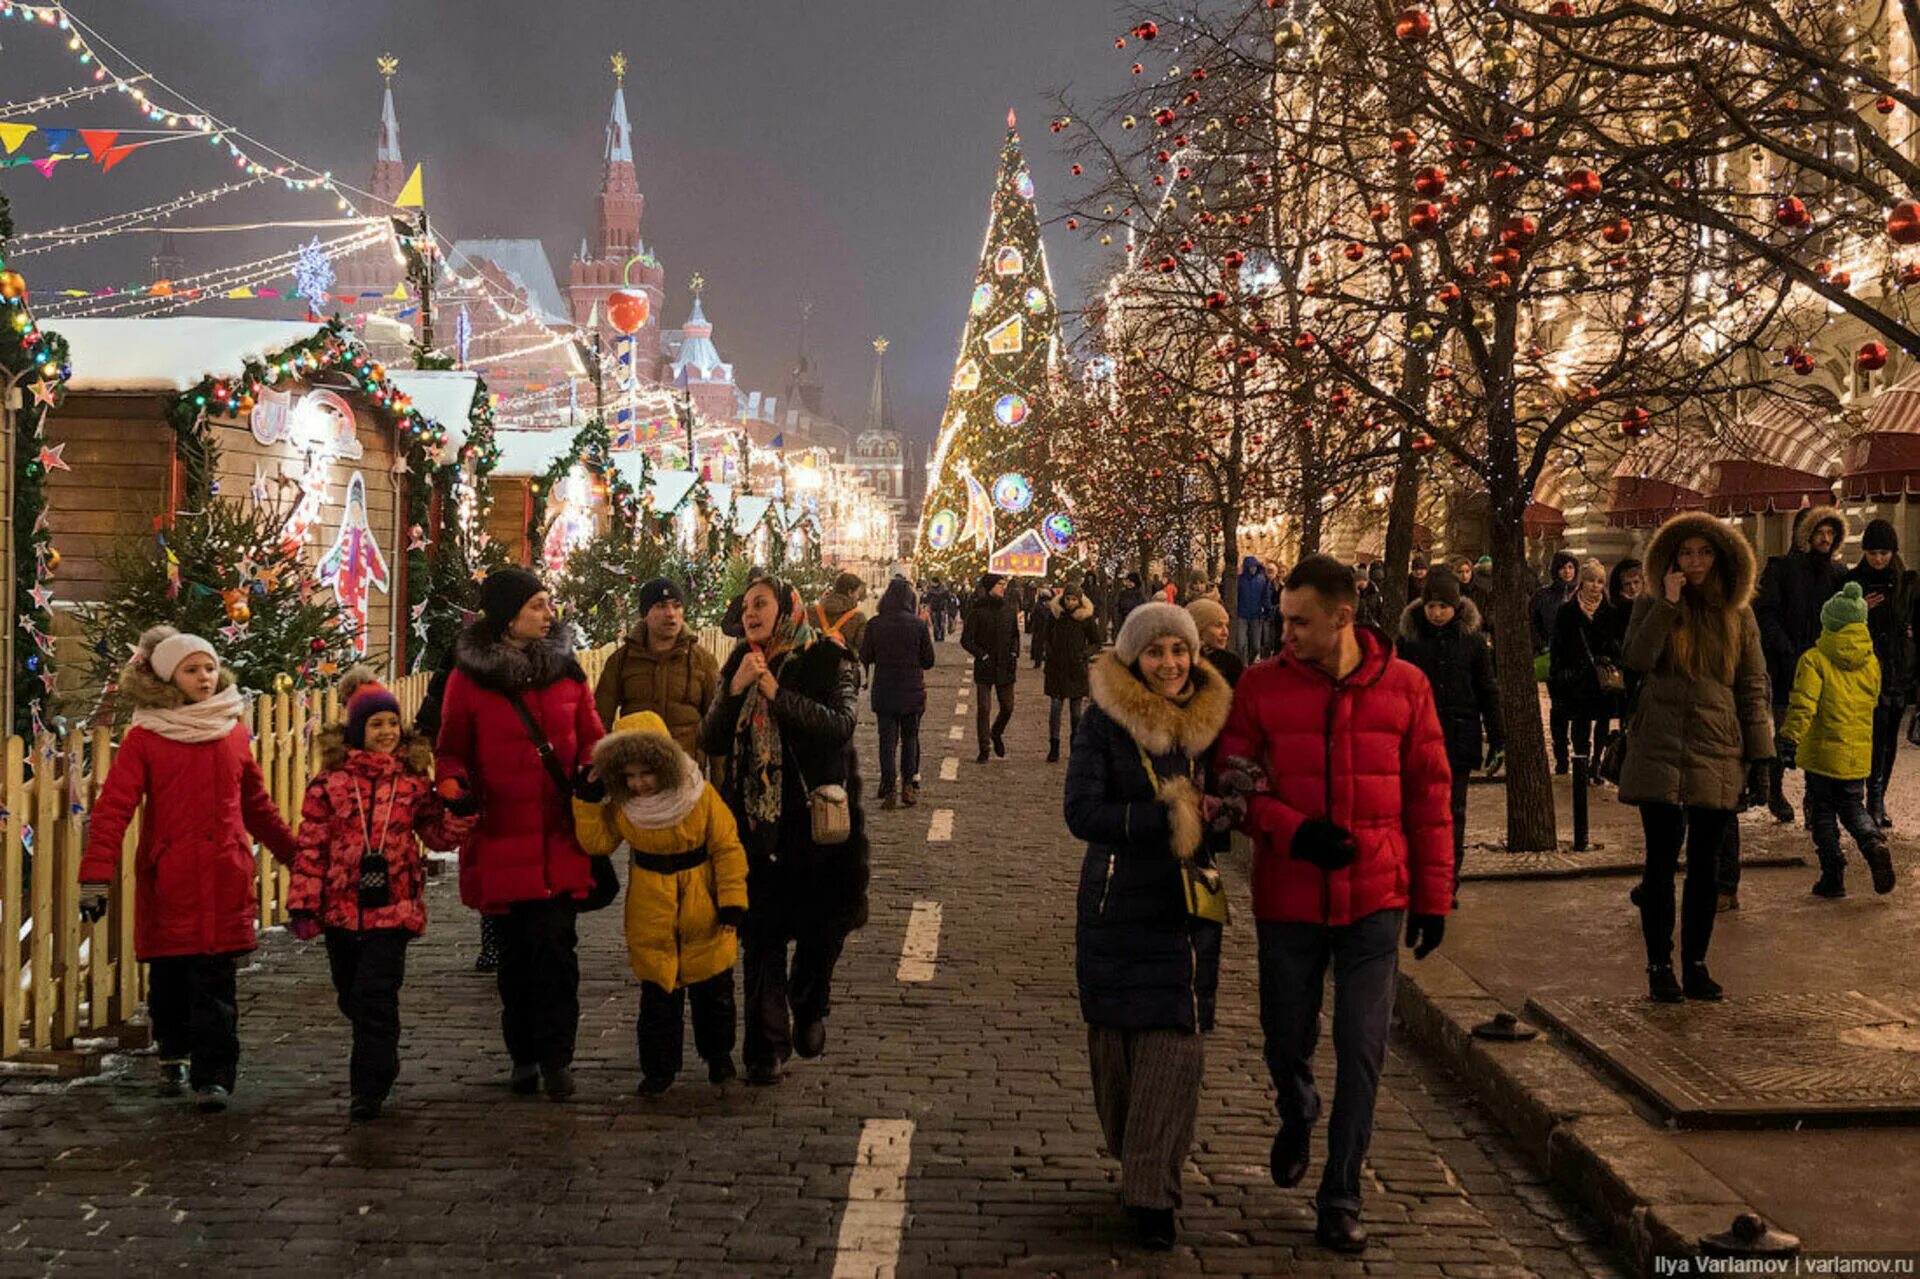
991,486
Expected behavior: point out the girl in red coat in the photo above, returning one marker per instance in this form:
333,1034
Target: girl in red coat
517,723
359,874
195,884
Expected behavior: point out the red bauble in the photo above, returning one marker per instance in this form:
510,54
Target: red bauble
1403,142
1803,364
1518,233
1414,25
1560,9
628,311
1791,212
1870,357
1449,294
1146,31
1355,251
1885,104
1903,224
1636,423
1400,255
1618,231
1425,219
1430,181
1584,184
1499,282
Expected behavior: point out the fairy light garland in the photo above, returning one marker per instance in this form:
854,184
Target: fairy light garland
116,223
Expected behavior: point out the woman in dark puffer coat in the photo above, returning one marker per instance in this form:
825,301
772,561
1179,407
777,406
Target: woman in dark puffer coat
784,719
1071,635
898,644
1147,968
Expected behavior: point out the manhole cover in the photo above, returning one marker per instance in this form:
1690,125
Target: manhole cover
1833,1057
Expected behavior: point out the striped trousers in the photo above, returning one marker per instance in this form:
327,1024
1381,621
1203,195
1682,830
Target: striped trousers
1146,1088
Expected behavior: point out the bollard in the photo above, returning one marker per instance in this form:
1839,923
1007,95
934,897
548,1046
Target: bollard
1580,803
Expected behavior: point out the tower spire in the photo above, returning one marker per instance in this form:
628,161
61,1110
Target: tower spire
619,129
879,402
389,170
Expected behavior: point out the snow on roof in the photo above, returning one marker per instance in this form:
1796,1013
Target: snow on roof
531,452
524,262
170,353
670,488
719,496
443,395
748,511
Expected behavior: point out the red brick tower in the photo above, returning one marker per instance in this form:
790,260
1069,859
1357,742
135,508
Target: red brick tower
376,268
619,258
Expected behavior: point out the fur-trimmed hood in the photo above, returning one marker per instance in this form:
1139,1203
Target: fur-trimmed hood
1081,613
1733,557
1415,626
142,690
1159,725
637,741
416,752
1812,518
498,666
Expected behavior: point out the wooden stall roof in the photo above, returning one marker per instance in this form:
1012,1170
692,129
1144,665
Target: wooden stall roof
171,353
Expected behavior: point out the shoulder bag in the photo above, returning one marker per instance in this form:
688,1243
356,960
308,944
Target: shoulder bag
606,884
1202,887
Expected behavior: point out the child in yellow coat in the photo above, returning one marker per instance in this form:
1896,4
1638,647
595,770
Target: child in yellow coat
686,895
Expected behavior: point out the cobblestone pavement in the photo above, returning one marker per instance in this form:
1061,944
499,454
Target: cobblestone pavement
987,1060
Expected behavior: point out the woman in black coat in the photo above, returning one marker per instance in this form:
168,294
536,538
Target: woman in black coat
1583,642
1888,585
1440,633
1069,636
784,721
898,645
1147,968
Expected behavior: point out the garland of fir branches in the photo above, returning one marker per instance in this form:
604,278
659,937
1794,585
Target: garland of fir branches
591,447
449,581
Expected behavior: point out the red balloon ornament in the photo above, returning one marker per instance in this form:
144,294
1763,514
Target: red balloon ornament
629,311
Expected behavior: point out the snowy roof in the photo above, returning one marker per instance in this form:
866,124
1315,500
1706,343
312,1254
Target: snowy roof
443,395
389,148
719,496
170,353
619,131
531,452
748,511
670,488
698,351
524,262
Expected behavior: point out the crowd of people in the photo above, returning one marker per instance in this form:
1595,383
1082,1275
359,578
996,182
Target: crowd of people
1287,708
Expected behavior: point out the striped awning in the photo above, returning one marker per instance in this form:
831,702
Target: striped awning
1655,478
1882,462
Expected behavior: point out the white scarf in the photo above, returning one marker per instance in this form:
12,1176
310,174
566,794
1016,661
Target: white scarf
197,722
664,810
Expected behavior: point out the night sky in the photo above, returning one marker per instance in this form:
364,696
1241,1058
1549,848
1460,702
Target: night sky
838,151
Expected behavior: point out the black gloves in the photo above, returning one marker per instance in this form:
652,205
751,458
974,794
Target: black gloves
587,788
1323,843
94,900
1229,814
734,917
1787,752
1424,933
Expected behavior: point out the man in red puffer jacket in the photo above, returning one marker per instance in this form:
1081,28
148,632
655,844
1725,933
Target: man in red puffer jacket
1349,814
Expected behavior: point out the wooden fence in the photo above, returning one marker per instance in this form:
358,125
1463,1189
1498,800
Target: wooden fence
64,981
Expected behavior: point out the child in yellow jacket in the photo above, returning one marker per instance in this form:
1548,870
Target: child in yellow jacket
686,895
1828,732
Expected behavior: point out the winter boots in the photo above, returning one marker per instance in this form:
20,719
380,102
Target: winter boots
1699,984
1053,750
1880,863
1831,884
1877,806
888,800
173,1076
909,794
1662,986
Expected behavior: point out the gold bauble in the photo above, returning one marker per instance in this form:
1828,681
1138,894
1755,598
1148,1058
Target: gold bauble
1672,131
1289,35
1420,331
53,560
283,683
1501,62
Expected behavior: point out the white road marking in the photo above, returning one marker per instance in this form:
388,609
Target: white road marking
869,1243
961,709
940,830
955,733
922,946
950,772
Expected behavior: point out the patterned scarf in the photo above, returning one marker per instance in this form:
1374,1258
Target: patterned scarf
757,751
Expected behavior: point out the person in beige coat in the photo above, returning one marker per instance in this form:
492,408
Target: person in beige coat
1699,728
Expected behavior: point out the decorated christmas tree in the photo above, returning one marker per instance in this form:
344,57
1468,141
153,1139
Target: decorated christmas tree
990,497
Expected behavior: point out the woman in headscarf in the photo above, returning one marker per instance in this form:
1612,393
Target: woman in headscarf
784,719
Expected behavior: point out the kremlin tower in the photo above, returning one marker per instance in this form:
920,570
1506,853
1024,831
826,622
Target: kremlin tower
619,258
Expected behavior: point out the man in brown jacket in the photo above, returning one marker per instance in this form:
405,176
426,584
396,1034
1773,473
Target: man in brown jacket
837,616
661,668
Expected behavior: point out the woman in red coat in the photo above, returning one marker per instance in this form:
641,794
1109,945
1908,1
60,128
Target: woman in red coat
522,864
195,882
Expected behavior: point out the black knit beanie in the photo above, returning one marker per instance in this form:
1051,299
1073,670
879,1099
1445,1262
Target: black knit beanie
1443,586
504,593
1879,537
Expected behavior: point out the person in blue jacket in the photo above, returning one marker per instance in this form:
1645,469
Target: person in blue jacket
1253,607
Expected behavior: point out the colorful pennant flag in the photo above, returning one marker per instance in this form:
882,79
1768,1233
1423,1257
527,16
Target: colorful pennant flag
411,195
12,135
99,142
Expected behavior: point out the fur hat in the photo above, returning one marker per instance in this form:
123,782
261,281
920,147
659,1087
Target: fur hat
1154,621
1443,586
1846,608
639,740
1879,537
504,593
166,653
1207,611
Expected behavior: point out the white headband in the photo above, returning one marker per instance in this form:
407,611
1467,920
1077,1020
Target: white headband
175,649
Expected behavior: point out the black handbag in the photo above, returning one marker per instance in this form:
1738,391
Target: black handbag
606,884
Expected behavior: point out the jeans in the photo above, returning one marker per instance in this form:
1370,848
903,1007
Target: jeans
195,1015
1073,705
1832,803
1293,966
777,996
939,624
1704,830
368,968
1886,744
660,1021
902,731
1005,694
539,981
1247,635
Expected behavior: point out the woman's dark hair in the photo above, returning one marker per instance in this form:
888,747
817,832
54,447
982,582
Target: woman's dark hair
1327,576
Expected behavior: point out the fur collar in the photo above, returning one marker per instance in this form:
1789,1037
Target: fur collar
416,752
618,751
1814,517
1080,614
499,667
1159,725
1733,557
142,690
1415,626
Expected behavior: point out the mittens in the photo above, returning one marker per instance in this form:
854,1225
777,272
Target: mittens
732,916
587,788
1323,843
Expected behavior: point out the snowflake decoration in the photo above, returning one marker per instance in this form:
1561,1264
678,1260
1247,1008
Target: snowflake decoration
313,273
